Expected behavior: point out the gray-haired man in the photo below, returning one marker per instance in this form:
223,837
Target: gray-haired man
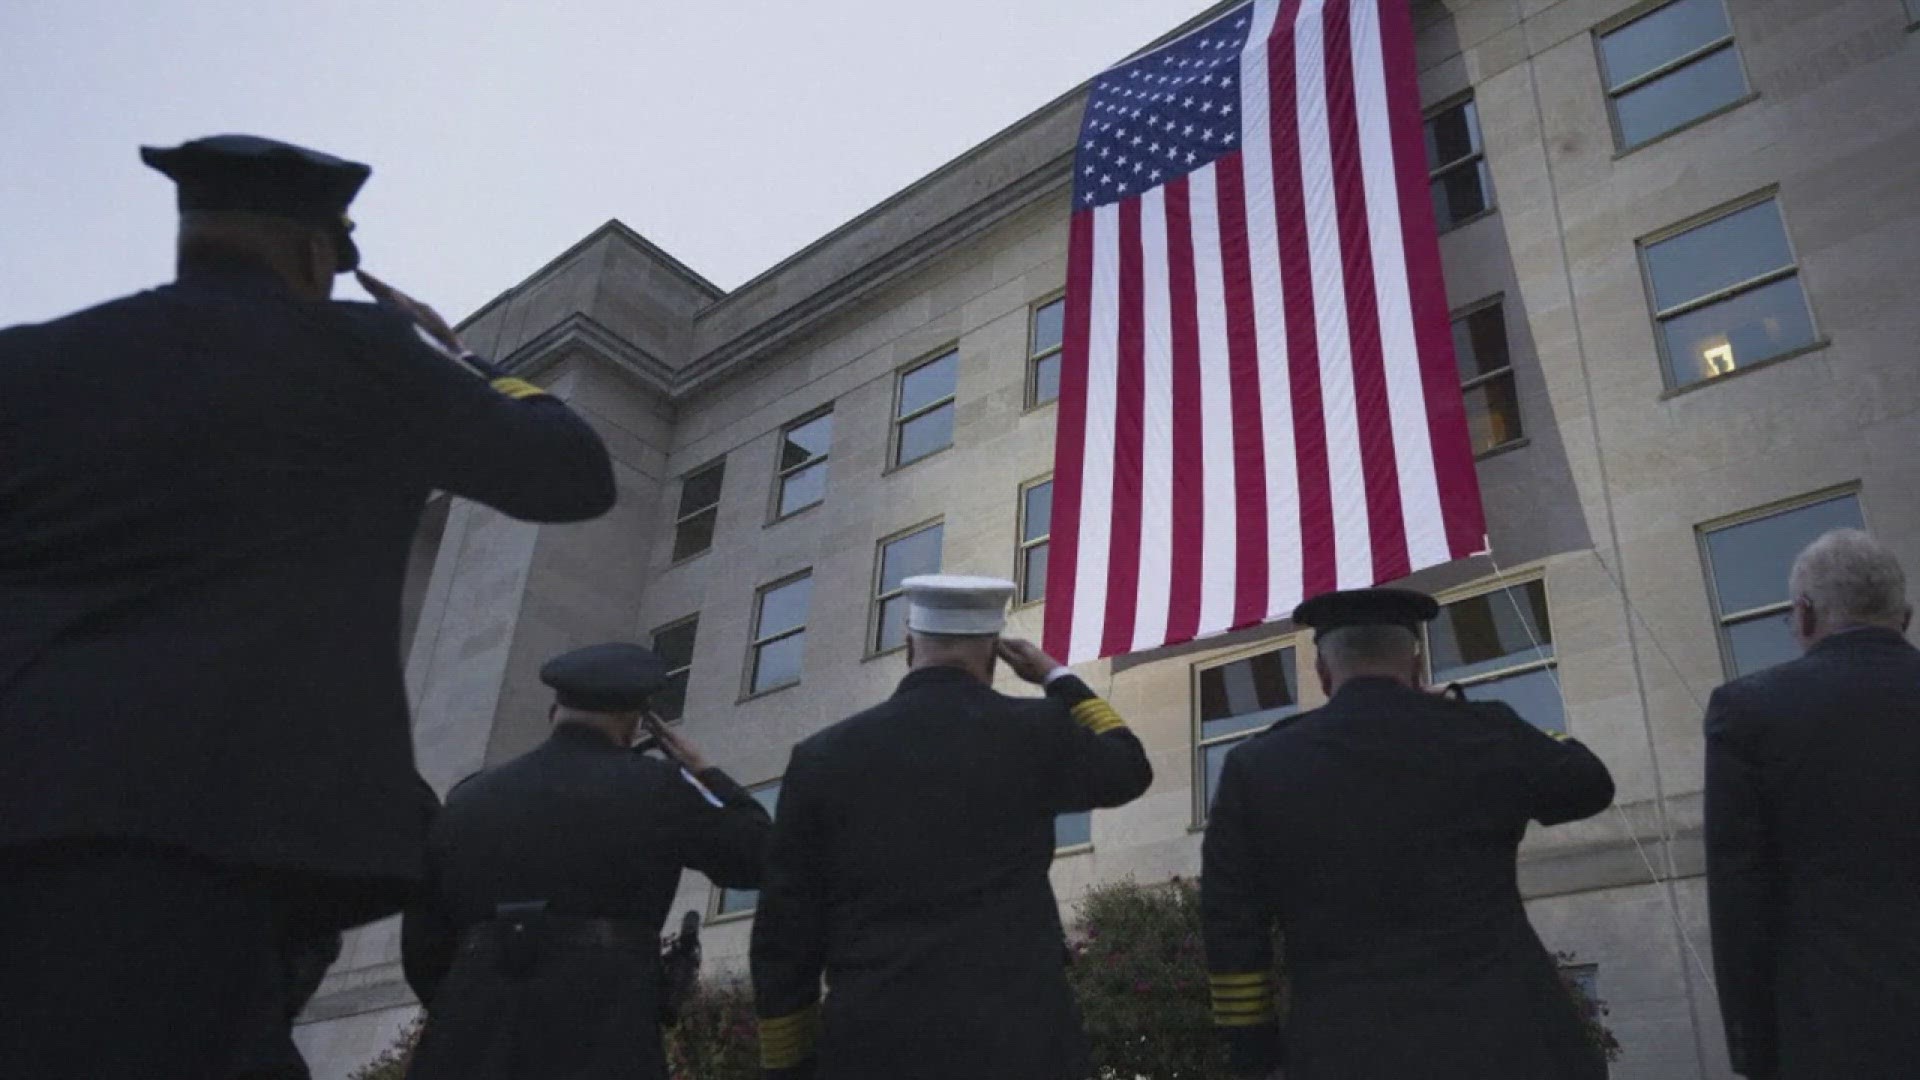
1813,831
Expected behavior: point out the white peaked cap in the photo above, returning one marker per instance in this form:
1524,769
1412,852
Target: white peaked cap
957,606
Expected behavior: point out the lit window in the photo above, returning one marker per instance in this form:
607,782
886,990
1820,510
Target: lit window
1670,67
1238,699
803,464
673,644
1486,377
699,509
1036,522
900,558
1499,647
1073,830
741,901
1747,566
1457,165
1726,294
1043,352
923,423
779,633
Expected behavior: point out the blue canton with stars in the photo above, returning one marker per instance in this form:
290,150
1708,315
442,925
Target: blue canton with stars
1161,116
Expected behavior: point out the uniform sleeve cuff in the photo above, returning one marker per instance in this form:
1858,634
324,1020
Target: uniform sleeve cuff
1061,672
786,1042
516,388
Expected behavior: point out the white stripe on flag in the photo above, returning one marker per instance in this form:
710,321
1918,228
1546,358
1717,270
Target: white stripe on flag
1353,546
1096,484
1406,396
1156,450
1219,542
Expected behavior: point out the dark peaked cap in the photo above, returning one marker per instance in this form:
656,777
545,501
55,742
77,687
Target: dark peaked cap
615,677
247,172
1366,607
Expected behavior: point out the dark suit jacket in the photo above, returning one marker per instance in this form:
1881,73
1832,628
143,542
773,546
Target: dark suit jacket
1813,861
1379,834
207,501
909,864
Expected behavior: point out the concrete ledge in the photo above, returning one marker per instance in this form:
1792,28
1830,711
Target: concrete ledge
389,991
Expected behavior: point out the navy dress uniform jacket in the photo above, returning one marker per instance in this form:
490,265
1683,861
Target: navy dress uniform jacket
1813,861
909,864
206,507
1378,833
595,832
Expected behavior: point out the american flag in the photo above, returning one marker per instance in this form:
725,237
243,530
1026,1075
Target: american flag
1258,396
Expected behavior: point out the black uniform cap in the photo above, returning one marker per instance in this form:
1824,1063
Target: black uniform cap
615,677
1366,607
246,172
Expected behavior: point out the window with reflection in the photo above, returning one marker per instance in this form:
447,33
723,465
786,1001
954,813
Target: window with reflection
1457,165
1043,352
673,644
743,901
779,633
1073,830
903,556
1486,376
923,422
1670,67
1747,565
1036,525
1499,646
1238,699
699,510
1726,294
803,464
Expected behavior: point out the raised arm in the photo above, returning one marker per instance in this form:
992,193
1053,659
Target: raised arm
1095,760
1564,780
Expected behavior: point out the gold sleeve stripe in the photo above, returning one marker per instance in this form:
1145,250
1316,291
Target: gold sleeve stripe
786,1041
1242,1021
1097,716
1248,978
1248,993
516,388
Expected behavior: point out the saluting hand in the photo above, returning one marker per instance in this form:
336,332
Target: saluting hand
1026,659
429,319
677,748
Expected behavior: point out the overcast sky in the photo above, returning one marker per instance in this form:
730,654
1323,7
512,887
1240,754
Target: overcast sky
730,132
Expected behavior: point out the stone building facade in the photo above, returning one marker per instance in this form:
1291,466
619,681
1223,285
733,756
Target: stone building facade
1681,242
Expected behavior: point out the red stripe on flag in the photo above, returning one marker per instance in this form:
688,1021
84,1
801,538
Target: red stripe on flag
1130,379
1189,459
1243,370
1386,522
1070,435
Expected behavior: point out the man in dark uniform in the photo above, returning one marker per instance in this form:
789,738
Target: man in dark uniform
910,856
1378,834
537,953
1813,831
208,498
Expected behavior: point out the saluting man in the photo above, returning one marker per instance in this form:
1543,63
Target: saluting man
209,492
909,862
1378,834
537,953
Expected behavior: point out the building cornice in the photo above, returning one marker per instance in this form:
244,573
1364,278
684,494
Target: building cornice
582,334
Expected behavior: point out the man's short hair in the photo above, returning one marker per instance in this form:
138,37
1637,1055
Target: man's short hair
1850,579
1351,645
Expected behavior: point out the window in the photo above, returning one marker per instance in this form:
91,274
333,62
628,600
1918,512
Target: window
1036,522
1238,699
699,508
743,901
803,464
1073,830
674,645
779,633
1486,376
1747,565
1499,646
903,556
923,422
1457,165
1043,351
1726,294
1670,67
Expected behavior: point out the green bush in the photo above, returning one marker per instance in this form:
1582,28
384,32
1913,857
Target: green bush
392,1064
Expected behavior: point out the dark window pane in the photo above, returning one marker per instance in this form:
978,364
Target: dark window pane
1738,332
1248,694
1033,584
702,489
1724,252
1047,324
1460,194
785,607
1680,97
927,434
1046,379
1493,413
736,900
1036,518
1661,37
1073,829
675,643
694,535
1453,135
806,441
1489,632
1212,759
910,555
1480,343
1533,694
670,702
1761,643
891,631
928,383
777,663
1750,560
802,489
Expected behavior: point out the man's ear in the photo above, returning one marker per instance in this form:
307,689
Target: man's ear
1906,620
1806,622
